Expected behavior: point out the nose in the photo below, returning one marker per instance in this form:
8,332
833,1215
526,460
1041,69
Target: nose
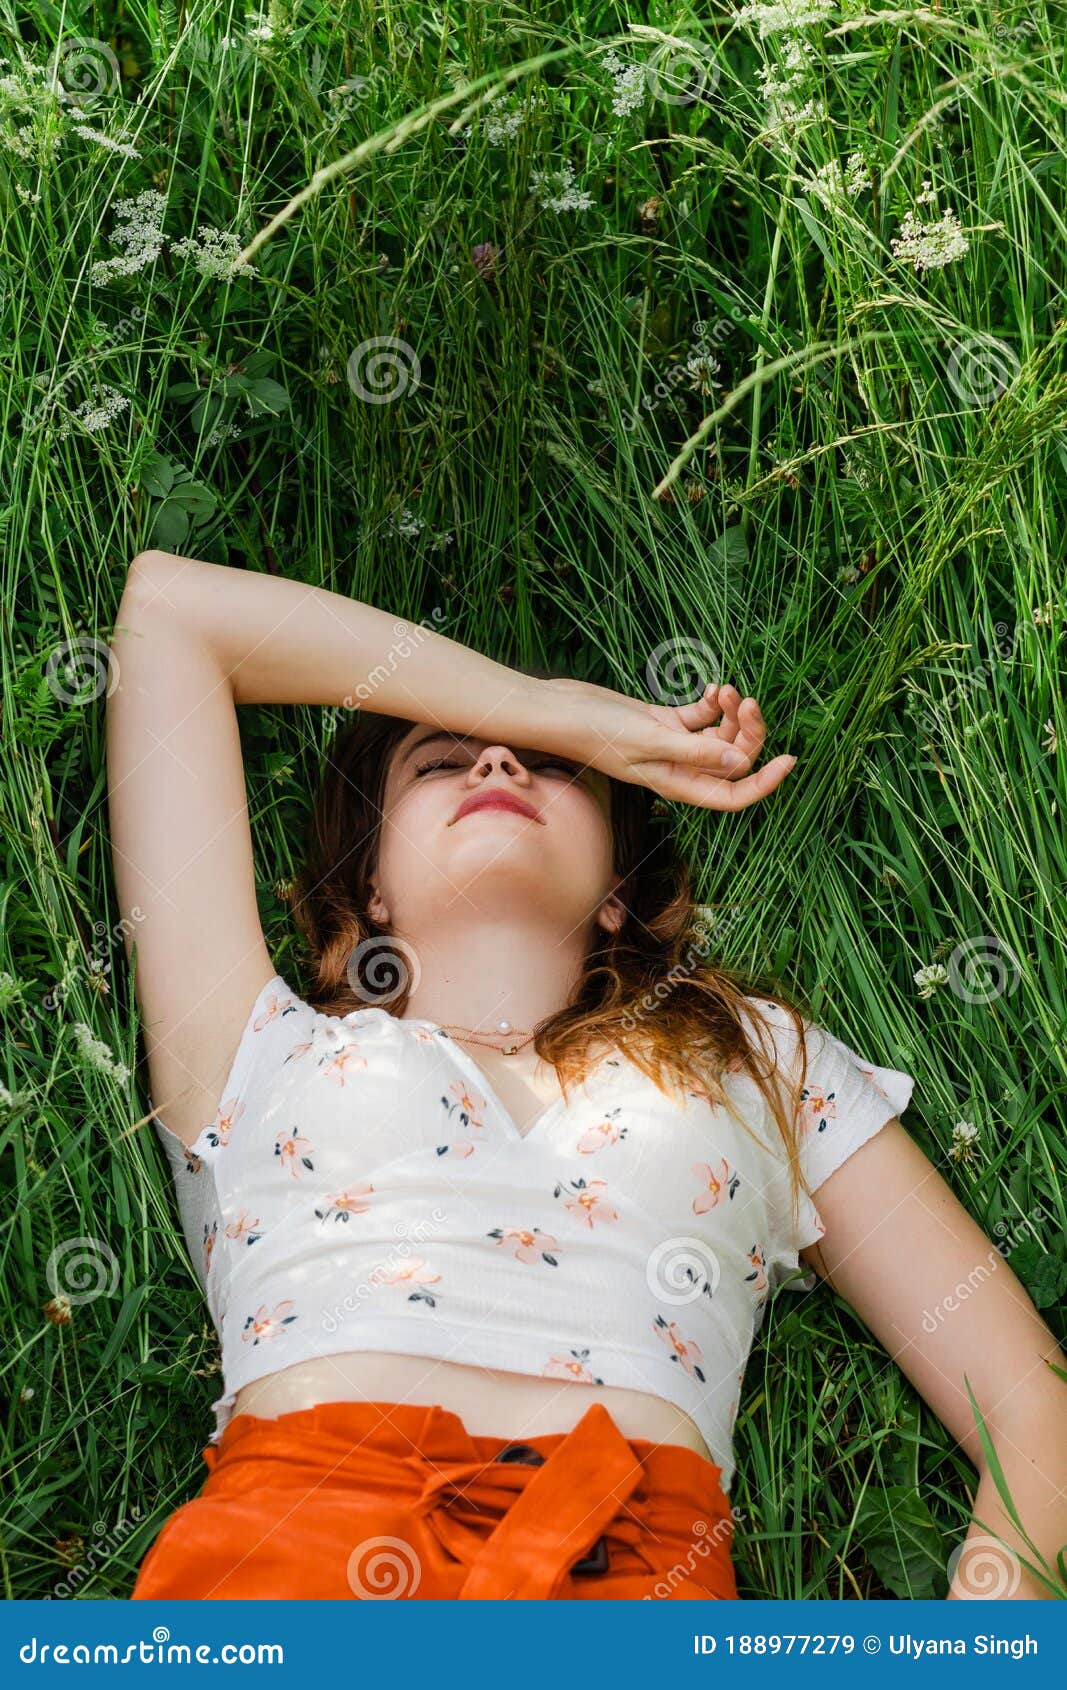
502,757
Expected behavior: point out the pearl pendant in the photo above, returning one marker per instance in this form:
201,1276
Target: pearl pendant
504,1026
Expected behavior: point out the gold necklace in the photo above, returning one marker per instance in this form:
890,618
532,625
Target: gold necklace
475,1038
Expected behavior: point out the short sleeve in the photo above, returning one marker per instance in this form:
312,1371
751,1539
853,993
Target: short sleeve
846,1099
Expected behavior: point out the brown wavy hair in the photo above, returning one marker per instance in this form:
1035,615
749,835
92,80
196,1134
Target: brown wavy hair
648,988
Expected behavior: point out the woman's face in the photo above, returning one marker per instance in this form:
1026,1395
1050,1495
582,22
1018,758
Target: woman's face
441,843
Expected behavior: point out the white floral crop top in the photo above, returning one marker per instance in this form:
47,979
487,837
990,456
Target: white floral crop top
362,1188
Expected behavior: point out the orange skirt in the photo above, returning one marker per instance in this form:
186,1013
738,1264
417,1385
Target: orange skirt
375,1501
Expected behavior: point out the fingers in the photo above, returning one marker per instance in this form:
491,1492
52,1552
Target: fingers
726,792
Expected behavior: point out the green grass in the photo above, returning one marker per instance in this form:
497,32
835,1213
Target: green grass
858,525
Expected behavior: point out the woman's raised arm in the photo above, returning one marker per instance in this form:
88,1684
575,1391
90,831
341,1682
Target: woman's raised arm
193,640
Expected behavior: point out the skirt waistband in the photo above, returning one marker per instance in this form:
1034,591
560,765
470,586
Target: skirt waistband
548,1498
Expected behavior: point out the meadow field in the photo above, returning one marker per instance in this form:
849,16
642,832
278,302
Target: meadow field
649,344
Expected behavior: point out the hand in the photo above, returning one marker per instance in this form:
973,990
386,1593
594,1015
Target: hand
700,753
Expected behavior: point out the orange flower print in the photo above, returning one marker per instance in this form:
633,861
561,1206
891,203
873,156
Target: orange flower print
467,1105
266,1324
606,1131
573,1366
682,1350
244,1228
344,1204
225,1117
869,1072
294,1152
588,1203
759,1268
716,1182
528,1246
193,1164
462,1147
209,1244
820,1106
275,1006
411,1272
346,1061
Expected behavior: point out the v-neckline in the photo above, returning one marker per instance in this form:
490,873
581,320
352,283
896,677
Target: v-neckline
474,1070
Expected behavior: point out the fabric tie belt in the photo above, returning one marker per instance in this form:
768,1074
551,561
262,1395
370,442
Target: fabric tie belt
379,1500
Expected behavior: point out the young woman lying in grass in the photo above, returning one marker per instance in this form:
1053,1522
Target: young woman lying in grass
488,1217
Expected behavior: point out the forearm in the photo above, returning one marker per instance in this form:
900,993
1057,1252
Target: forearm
280,641
1034,1463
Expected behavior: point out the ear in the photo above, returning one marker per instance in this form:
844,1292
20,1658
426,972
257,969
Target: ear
611,914
376,908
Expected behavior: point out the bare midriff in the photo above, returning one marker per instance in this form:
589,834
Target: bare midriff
490,1403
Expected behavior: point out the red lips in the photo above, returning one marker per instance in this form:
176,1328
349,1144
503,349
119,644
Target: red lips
496,796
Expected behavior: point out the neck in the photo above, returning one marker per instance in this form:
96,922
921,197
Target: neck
475,975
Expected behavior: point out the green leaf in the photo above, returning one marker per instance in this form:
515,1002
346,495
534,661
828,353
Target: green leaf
730,547
157,476
902,1542
197,501
170,526
1043,1273
266,396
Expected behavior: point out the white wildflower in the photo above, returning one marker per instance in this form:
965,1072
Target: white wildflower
1050,741
929,246
124,147
928,194
225,431
1042,613
138,231
96,412
964,1141
215,254
568,197
404,522
261,28
97,1054
702,369
834,184
783,87
847,574
929,978
504,117
441,542
629,84
787,14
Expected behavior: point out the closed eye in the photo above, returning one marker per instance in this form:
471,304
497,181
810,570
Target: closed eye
541,763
